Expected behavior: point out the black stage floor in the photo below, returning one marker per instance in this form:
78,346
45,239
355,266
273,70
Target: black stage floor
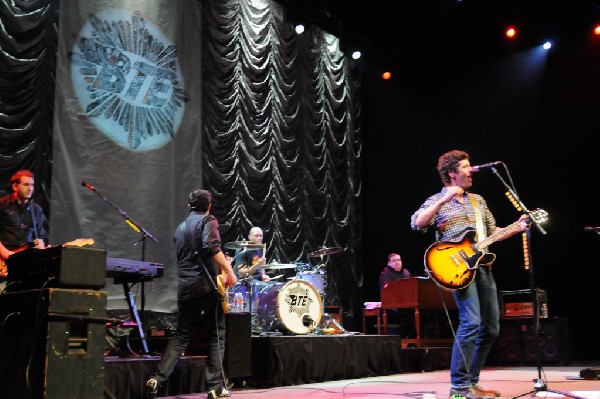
275,361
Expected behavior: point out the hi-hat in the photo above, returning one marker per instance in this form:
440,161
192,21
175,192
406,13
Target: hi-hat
243,244
325,251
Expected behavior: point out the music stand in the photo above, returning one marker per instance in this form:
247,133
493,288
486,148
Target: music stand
539,384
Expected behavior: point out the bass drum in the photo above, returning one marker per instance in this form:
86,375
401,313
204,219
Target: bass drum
294,307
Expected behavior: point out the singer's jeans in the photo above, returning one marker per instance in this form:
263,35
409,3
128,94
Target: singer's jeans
189,316
479,325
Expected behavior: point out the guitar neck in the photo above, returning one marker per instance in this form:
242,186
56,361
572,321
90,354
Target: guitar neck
508,230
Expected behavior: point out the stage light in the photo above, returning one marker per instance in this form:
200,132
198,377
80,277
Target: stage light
511,32
356,54
547,45
597,30
387,75
299,29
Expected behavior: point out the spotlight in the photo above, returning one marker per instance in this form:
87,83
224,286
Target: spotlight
511,32
387,75
547,45
597,30
299,29
356,54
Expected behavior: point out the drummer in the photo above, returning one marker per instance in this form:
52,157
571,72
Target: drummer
247,262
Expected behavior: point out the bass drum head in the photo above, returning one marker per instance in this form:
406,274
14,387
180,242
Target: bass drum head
294,307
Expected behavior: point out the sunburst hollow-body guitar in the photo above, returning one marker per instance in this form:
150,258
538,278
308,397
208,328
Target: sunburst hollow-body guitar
452,264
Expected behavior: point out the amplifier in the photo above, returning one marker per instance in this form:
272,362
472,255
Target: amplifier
519,303
57,267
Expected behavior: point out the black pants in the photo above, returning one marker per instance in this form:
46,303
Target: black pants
189,317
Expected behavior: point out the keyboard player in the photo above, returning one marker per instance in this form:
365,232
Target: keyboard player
395,270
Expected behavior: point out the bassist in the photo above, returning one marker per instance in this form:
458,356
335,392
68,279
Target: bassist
452,212
199,259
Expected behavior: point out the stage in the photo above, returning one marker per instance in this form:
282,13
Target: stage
278,361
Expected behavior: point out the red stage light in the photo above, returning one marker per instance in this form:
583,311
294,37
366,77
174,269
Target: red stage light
597,30
511,32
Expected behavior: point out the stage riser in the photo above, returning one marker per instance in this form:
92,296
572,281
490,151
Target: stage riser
288,360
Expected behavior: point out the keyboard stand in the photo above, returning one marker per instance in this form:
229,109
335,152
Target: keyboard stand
133,309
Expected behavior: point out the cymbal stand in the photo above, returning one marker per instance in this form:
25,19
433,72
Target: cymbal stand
539,384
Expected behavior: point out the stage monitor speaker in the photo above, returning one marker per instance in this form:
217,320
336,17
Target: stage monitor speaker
52,344
516,342
238,345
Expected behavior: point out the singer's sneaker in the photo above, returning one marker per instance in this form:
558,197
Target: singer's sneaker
458,393
222,393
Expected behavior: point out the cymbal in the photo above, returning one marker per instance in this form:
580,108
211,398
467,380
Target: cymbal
276,265
243,244
325,251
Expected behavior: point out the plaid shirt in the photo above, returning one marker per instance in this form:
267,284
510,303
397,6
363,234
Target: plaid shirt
455,217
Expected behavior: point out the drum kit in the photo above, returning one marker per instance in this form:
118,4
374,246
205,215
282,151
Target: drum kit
293,307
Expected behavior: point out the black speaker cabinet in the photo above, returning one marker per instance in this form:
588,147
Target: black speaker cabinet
52,344
238,345
516,342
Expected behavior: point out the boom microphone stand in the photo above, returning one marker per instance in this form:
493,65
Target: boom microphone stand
539,383
126,288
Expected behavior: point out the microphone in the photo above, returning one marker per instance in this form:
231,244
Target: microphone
477,168
307,321
86,184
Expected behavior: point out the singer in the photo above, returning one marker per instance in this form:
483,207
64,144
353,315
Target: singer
22,222
450,212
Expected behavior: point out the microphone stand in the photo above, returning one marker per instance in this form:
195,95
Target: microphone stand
126,287
539,384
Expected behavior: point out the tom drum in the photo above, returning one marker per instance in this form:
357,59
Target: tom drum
316,278
293,307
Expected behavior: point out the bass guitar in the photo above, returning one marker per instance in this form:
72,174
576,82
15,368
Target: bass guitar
452,264
80,242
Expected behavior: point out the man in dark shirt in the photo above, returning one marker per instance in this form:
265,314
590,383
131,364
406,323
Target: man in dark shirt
22,222
393,271
199,261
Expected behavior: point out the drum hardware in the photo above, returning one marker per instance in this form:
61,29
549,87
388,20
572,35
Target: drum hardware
325,251
276,277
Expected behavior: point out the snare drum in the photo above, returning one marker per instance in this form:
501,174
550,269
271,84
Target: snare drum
294,307
316,278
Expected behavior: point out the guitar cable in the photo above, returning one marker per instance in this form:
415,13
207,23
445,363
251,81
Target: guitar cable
449,319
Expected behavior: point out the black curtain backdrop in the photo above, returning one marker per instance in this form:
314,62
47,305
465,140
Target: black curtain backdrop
317,150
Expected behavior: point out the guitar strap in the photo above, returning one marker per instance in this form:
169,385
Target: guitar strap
478,218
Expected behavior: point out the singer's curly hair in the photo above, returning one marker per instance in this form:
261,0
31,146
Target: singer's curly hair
199,200
448,162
